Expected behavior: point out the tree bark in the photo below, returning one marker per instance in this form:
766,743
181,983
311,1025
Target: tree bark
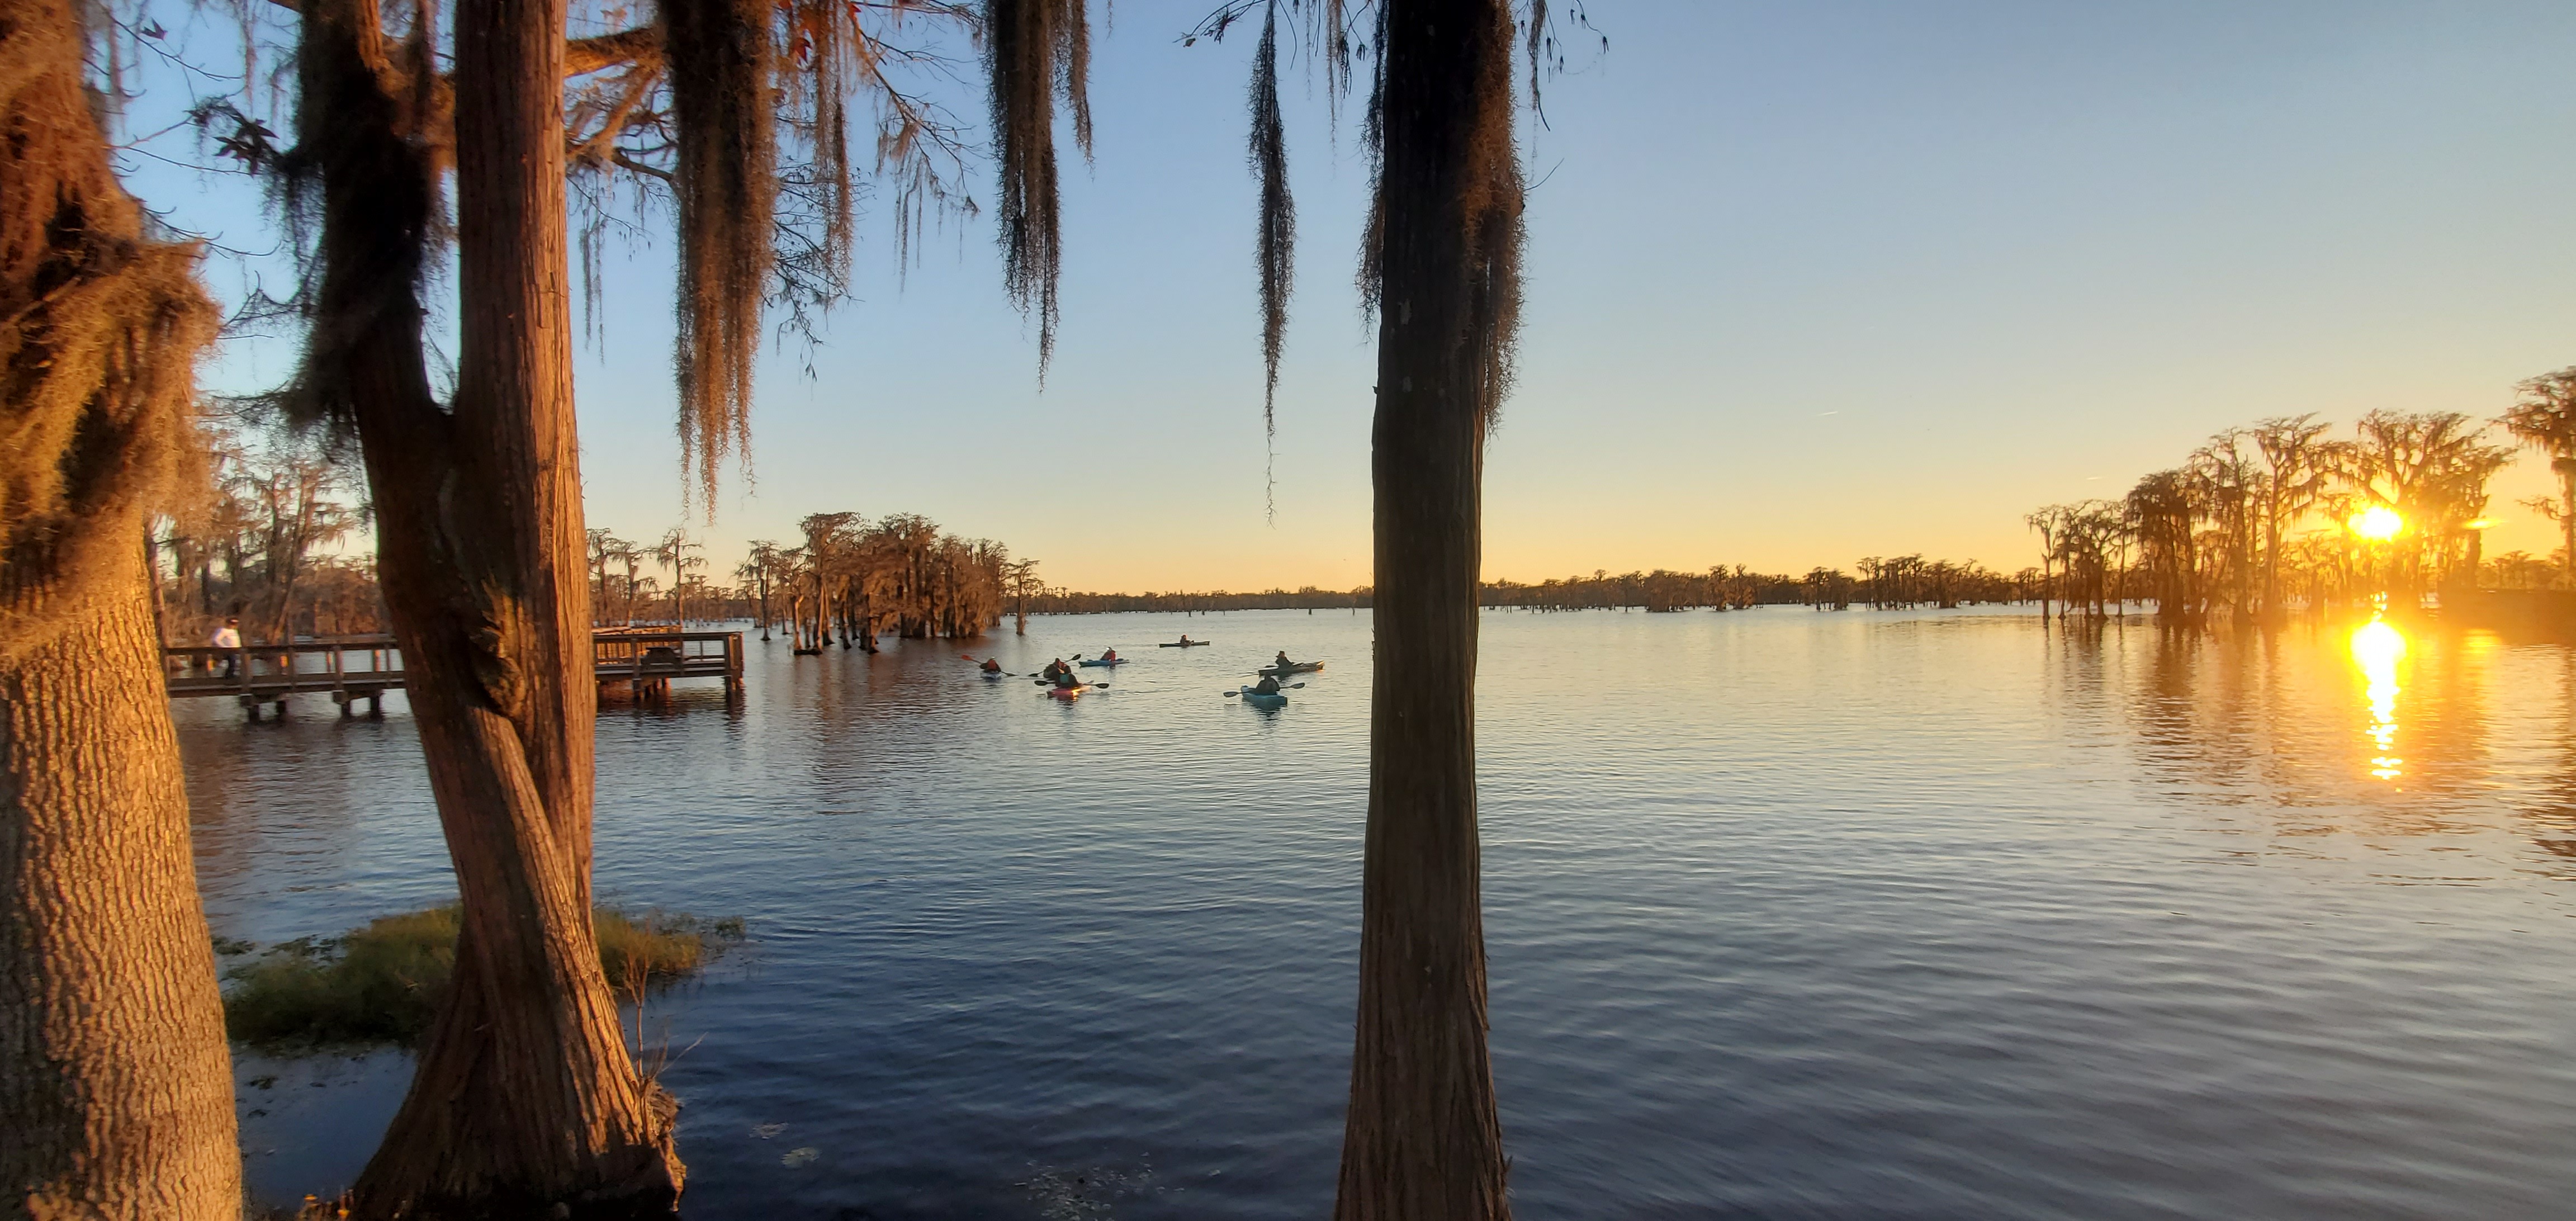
115,1082
525,1098
1422,1141
116,1088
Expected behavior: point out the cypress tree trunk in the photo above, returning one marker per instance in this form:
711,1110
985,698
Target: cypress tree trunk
2566,471
1422,1141
115,1083
116,1091
525,1097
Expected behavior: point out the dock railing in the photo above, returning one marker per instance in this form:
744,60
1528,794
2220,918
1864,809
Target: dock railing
354,668
648,660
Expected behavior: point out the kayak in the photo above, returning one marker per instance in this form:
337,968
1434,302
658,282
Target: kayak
1067,693
1295,667
1103,661
1183,644
1260,699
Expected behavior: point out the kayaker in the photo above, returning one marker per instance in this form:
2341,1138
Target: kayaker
1267,686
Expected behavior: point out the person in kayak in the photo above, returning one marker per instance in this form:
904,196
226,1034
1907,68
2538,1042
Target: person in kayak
1268,685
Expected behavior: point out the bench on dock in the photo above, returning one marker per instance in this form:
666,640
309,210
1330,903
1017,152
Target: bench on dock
355,668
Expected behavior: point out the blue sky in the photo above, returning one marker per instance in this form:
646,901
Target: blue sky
1806,282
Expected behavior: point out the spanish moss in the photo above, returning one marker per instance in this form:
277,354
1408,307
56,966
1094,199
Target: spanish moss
98,352
1490,196
829,55
1035,50
375,142
726,186
1493,197
1332,44
1373,140
1278,241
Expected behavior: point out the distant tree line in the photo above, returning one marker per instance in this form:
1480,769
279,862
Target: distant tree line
1890,583
1047,601
2283,515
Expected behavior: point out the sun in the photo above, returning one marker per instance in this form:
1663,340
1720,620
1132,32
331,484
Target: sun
2378,523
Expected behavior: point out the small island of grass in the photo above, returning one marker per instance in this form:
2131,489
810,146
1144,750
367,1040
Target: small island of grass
381,984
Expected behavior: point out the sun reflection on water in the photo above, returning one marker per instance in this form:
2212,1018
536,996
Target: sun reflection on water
2377,648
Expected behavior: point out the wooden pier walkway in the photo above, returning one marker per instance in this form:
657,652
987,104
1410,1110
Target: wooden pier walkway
354,668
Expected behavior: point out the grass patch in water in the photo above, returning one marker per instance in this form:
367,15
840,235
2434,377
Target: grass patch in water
382,983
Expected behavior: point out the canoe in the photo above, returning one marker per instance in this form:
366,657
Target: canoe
1297,667
1183,644
1066,693
1264,700
1104,661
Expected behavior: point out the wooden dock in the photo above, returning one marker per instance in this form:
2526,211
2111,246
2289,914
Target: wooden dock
354,668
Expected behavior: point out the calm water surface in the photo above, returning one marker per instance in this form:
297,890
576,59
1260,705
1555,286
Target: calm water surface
1790,915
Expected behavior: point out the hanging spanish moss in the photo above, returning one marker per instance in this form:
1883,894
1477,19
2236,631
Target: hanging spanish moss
742,111
726,184
1331,40
1537,42
1035,50
1278,241
829,55
100,327
1373,139
1493,195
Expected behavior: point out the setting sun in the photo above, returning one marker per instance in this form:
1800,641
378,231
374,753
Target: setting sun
2378,523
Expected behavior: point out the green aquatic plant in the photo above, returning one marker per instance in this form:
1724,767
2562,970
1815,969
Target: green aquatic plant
382,983
644,948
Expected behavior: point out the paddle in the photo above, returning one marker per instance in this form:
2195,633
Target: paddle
1289,687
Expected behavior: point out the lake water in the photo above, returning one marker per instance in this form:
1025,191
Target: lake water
1789,915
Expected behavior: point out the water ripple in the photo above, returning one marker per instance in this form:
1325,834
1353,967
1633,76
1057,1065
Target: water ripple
1789,915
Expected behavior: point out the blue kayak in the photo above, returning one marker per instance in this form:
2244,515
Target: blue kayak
1261,699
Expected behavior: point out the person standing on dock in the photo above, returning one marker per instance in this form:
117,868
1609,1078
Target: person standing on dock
228,638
